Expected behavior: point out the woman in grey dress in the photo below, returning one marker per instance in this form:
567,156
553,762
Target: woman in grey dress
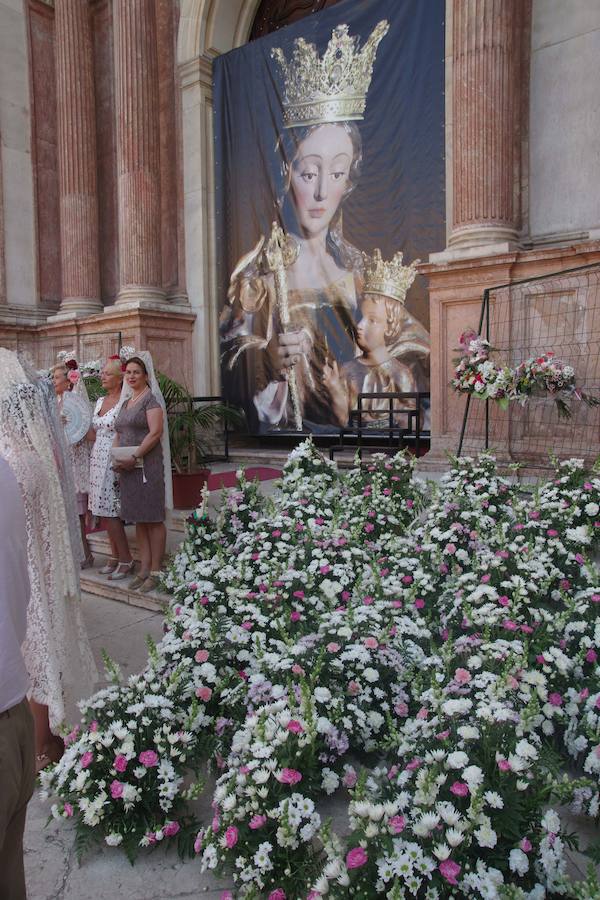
139,425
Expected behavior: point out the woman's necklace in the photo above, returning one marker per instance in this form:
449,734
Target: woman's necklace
133,399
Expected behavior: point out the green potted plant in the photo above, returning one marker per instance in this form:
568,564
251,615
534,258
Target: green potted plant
188,426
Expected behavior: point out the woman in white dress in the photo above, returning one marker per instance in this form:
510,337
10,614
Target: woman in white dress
67,378
56,650
104,484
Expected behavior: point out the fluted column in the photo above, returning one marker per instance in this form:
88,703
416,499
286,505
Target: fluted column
487,46
77,159
138,151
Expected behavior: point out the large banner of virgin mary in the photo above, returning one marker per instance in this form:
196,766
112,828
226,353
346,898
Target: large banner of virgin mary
329,152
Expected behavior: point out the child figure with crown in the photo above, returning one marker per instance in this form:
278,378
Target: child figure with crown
301,318
394,346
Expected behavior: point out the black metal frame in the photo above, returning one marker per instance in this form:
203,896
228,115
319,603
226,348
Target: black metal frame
396,434
485,313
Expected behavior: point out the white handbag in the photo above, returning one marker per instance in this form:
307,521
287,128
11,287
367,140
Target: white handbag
120,454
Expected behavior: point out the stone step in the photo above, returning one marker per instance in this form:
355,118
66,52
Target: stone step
92,582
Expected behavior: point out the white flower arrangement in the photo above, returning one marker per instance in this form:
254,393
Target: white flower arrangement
436,668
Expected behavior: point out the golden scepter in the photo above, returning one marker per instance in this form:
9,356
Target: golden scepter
281,252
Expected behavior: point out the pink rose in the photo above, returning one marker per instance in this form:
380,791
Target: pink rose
449,870
201,656
356,858
204,693
257,822
294,726
459,789
231,837
120,763
171,829
289,776
86,759
148,758
116,790
397,824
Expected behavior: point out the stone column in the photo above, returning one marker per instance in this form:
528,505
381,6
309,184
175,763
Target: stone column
486,61
77,160
2,260
138,152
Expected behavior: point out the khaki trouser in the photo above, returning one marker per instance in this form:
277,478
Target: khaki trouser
17,779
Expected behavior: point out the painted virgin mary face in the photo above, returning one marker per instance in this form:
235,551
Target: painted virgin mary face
320,177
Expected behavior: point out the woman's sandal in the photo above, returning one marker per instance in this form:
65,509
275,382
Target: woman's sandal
88,562
122,571
110,566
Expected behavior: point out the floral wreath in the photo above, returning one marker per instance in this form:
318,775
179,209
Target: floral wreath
479,376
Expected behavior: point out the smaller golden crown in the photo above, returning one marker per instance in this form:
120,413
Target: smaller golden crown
391,279
331,89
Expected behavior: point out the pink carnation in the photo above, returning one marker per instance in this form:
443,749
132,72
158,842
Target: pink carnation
397,824
68,810
204,693
86,759
201,656
120,763
449,870
459,789
171,829
277,894
231,837
555,699
289,776
116,789
294,726
356,858
462,676
257,822
198,842
148,758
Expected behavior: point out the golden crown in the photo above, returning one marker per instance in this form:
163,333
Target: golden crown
391,279
331,89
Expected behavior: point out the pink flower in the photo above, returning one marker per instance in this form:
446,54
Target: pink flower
442,735
555,699
86,759
584,693
116,789
171,829
120,763
226,895
462,676
423,713
201,656
397,824
510,625
350,778
485,578
298,670
504,601
324,569
413,764
356,858
564,584
294,726
333,647
248,625
459,789
289,776
597,703
353,688
299,595
204,693
368,601
450,548
73,734
407,579
295,616
257,822
231,837
449,870
504,765
419,603
525,845
369,527
370,643
552,532
148,758
277,894
591,656
68,810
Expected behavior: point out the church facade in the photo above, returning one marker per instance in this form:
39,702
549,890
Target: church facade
107,187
